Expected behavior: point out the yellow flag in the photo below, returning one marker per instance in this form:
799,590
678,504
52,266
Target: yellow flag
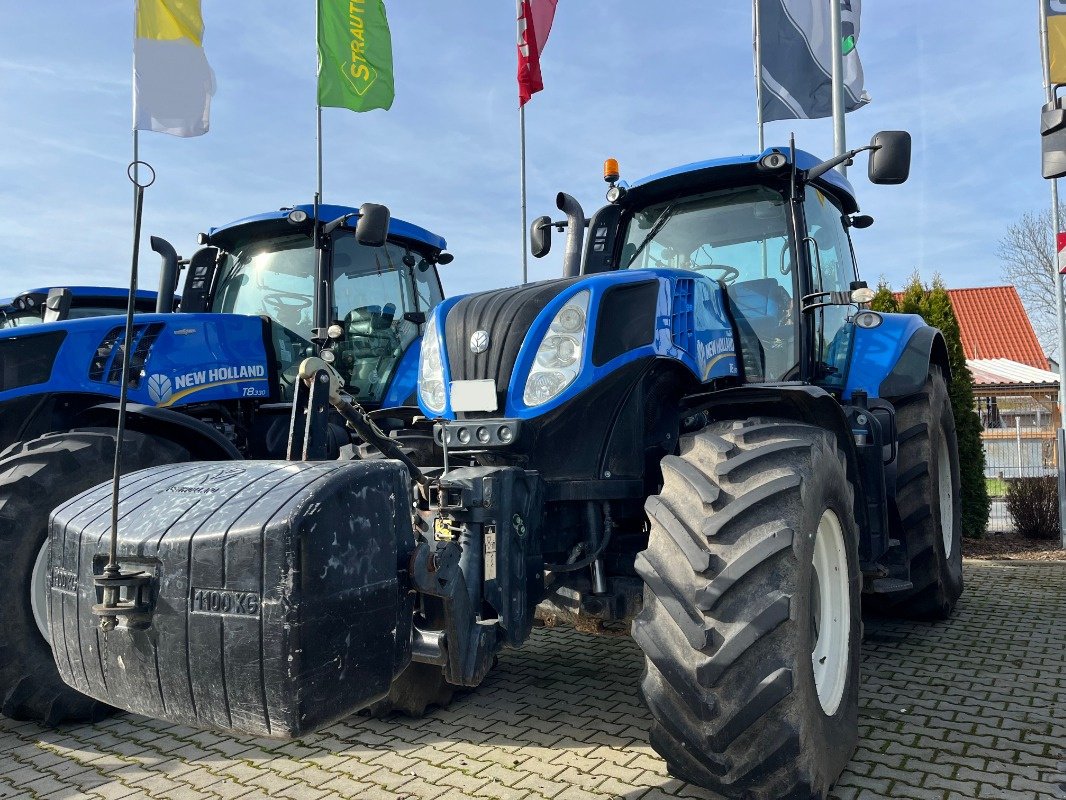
173,83
1056,39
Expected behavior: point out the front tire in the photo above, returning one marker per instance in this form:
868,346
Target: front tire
751,623
36,477
927,497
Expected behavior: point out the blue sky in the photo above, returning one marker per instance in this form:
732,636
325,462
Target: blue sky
652,84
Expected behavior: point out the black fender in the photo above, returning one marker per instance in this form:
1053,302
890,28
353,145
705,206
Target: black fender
199,438
811,405
925,348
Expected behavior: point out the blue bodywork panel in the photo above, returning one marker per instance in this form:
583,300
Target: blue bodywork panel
405,378
691,327
875,351
397,227
193,358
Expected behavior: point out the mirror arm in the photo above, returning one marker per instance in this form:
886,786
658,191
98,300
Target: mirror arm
329,227
825,166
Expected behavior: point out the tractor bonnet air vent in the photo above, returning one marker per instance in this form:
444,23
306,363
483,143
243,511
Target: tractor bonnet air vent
27,360
106,365
683,315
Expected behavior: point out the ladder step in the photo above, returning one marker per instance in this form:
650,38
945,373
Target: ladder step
889,585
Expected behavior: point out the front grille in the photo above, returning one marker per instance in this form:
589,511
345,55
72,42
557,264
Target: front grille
28,360
506,315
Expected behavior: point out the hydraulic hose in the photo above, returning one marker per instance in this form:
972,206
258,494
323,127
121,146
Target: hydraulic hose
594,520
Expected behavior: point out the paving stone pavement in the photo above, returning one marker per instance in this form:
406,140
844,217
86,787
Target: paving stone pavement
971,708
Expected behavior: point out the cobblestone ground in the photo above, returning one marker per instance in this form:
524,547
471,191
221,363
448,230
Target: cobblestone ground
974,708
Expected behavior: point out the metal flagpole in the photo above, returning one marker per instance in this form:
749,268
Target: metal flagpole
835,33
1060,436
522,181
758,76
318,138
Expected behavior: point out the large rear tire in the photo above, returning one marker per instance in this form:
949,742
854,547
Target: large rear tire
927,496
36,477
751,623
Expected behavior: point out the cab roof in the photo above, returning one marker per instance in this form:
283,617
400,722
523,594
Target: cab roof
732,169
88,292
224,234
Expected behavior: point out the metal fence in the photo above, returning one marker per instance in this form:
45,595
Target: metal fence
1019,442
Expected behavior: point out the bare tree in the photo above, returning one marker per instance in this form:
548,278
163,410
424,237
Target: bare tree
1030,264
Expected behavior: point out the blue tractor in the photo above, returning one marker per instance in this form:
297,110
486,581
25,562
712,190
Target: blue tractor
699,432
212,381
57,303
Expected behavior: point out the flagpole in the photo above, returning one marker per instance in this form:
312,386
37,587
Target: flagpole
758,76
1060,306
522,183
318,139
837,45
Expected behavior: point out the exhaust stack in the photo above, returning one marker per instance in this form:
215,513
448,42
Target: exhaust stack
575,233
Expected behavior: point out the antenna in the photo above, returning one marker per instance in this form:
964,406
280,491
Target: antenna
112,581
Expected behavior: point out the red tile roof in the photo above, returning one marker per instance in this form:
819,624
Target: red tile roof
994,324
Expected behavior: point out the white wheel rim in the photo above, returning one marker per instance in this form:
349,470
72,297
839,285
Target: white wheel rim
830,613
947,496
39,591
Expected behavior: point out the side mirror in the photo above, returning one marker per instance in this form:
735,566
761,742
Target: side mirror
372,230
890,163
540,237
1053,139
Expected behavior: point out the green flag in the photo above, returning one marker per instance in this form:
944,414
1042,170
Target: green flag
354,55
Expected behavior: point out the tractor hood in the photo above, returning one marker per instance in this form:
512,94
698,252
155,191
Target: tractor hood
621,317
177,359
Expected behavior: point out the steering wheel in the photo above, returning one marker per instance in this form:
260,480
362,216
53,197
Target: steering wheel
731,273
286,302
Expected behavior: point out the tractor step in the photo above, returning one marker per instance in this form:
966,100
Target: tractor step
888,586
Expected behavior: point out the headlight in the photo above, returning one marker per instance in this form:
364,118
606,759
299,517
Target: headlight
558,359
431,371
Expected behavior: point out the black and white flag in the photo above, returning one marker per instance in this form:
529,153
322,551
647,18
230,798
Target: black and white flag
797,67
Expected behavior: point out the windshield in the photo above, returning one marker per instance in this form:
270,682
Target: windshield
373,288
738,236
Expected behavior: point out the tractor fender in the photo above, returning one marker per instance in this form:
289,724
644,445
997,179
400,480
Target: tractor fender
199,438
925,348
811,405
892,360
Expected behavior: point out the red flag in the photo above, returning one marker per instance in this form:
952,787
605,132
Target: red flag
534,24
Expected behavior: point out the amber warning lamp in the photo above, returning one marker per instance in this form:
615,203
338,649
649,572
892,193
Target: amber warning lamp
611,174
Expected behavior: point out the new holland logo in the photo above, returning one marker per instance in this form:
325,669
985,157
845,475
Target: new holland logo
479,342
160,388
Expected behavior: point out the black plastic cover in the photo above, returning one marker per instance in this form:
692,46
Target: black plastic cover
276,604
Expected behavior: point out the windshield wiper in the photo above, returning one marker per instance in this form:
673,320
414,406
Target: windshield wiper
655,228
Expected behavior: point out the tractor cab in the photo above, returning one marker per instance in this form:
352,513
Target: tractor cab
375,289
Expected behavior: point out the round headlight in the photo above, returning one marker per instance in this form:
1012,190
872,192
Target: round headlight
570,320
328,356
505,434
334,331
433,394
557,351
543,386
296,216
483,435
463,436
